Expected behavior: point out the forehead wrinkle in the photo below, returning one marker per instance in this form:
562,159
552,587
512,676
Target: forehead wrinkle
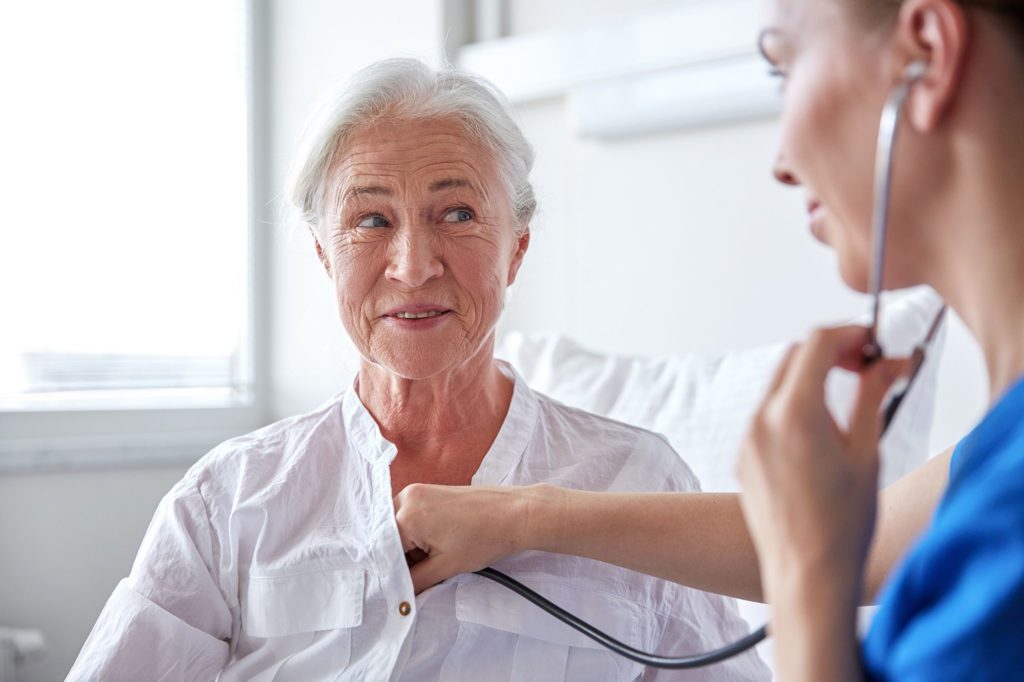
386,167
452,175
349,185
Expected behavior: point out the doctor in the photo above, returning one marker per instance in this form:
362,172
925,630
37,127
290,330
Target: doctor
948,541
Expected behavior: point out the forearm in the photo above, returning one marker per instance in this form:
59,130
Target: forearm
696,539
814,627
701,539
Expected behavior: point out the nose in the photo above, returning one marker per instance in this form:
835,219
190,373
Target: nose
783,173
415,258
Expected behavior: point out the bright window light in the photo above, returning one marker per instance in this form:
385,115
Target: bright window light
123,215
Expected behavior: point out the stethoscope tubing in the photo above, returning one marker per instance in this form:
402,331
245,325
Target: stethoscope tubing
612,644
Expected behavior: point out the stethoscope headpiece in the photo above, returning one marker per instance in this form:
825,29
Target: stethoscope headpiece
887,127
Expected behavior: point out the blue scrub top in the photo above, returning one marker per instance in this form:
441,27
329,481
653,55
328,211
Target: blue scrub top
955,609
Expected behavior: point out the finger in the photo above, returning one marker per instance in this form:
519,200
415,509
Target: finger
866,419
430,572
826,348
406,502
403,533
782,369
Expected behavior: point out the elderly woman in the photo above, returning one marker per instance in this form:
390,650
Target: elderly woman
278,556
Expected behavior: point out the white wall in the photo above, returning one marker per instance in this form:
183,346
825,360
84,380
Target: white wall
65,541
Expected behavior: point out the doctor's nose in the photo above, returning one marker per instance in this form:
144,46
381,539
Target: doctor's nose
783,173
415,258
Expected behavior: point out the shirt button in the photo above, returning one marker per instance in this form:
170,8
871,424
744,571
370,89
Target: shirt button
404,608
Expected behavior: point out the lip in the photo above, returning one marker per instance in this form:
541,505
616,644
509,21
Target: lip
816,217
423,324
416,308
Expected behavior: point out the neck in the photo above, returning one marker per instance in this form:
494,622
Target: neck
456,413
995,320
979,246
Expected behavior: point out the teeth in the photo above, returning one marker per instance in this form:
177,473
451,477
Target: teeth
418,316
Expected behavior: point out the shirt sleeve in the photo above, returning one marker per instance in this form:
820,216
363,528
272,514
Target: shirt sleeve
957,610
169,619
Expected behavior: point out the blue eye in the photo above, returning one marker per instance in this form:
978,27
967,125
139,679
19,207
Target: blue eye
375,220
458,215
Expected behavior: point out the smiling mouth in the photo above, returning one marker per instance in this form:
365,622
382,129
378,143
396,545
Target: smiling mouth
419,316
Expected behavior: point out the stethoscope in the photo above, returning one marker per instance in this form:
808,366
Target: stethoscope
888,125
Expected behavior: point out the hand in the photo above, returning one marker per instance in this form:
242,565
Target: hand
447,530
809,489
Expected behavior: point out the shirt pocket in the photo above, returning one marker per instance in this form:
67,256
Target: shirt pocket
278,605
530,644
297,625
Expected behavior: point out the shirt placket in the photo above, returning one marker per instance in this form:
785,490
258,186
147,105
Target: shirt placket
395,580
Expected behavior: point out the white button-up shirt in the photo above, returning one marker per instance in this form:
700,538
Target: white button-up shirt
277,557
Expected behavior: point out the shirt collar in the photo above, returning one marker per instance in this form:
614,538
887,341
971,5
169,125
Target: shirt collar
362,429
504,454
1003,418
508,447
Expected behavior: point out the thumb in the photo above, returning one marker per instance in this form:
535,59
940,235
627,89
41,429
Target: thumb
429,572
875,382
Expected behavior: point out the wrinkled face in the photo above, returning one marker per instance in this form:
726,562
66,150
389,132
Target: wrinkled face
420,244
836,75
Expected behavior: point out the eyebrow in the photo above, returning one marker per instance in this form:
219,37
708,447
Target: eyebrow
449,183
382,191
372,190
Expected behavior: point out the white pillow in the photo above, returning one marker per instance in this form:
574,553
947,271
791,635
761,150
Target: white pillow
703,402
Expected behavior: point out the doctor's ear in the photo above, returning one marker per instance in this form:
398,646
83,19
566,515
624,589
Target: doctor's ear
934,32
320,252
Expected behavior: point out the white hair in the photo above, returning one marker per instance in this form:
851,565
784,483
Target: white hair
407,89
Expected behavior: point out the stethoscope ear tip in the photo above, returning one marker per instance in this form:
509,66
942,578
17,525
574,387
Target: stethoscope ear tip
915,70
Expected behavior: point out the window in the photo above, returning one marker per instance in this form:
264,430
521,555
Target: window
126,244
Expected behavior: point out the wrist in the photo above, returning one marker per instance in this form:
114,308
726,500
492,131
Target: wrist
815,599
829,571
806,580
814,624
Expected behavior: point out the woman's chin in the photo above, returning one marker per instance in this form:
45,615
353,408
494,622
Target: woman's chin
854,275
414,363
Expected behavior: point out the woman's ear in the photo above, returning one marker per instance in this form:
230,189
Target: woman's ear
522,244
937,33
320,252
